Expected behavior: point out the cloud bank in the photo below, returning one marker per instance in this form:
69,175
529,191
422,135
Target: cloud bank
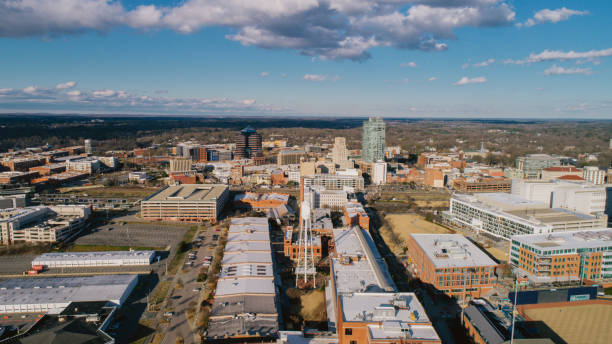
326,29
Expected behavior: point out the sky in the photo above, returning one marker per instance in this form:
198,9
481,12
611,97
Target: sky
393,58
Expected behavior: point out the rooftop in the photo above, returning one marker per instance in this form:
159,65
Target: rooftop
246,258
451,250
244,246
245,286
246,270
376,307
231,305
190,192
91,256
567,240
59,290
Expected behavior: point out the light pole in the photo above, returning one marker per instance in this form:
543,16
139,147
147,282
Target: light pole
514,309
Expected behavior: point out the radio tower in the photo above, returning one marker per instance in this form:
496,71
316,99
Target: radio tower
305,262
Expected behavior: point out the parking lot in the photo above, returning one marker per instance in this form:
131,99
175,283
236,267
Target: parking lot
122,233
11,265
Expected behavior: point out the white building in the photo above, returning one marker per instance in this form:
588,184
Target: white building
106,258
53,294
379,173
87,165
504,215
582,197
319,197
594,174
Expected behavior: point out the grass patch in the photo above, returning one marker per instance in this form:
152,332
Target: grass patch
96,248
21,249
160,292
182,249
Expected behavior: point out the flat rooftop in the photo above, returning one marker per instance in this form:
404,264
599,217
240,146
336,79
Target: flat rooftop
506,202
245,286
246,326
592,238
87,256
246,270
452,250
551,215
249,237
375,307
58,290
247,258
190,192
262,304
247,246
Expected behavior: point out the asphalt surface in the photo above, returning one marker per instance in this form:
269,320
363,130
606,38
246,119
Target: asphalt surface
134,234
184,298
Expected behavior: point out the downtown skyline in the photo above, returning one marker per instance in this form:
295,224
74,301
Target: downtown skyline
465,58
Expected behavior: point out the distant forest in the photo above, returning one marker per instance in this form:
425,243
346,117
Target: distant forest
511,137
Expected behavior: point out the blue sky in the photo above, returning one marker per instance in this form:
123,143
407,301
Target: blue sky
428,58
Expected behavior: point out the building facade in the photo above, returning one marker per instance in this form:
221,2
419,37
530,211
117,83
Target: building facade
452,264
186,203
248,144
563,256
373,140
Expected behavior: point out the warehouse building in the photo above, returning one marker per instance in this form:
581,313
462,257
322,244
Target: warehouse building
107,258
186,203
53,294
12,201
246,297
504,215
452,264
563,256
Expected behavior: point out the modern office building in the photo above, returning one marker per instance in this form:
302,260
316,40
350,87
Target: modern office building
88,165
334,182
88,148
504,215
248,144
340,153
531,165
246,297
186,203
290,157
373,140
42,224
563,256
583,197
452,264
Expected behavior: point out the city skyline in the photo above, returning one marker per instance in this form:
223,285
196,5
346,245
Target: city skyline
462,59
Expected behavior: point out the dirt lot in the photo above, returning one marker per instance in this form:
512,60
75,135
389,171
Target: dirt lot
499,254
577,324
313,306
402,225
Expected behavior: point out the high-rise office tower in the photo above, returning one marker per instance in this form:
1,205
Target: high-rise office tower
373,141
88,149
339,151
248,144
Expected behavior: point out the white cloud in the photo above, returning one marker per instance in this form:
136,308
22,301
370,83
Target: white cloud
334,29
410,64
558,70
107,99
477,80
484,63
104,93
66,85
264,74
30,89
315,77
551,16
552,55
433,78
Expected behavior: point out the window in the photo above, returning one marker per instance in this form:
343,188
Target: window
348,332
353,342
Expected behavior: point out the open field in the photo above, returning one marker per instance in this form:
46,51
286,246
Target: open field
586,323
398,228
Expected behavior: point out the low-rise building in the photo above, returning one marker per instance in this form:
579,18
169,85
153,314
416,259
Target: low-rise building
503,215
482,184
594,174
355,215
42,224
563,256
88,165
105,258
186,203
452,264
17,177
12,201
251,200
